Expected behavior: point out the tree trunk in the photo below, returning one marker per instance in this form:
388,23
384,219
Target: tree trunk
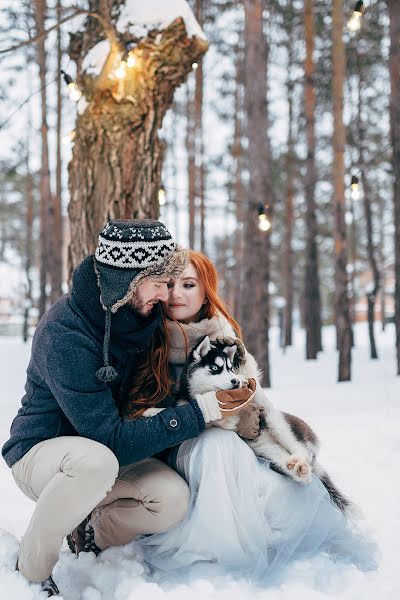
394,62
312,297
257,243
45,192
343,323
115,171
371,295
288,250
199,142
57,234
29,245
239,193
191,167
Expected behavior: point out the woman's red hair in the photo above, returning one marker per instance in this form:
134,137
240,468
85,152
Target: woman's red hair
208,276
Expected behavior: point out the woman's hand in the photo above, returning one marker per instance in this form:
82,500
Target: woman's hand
225,403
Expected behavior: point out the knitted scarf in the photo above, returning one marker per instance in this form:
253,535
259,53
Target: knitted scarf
217,326
130,333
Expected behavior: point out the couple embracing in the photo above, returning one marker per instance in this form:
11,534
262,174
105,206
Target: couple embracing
102,473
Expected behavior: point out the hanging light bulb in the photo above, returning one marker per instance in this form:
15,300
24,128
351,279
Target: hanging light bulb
354,22
131,60
355,191
120,71
264,224
162,196
195,65
73,90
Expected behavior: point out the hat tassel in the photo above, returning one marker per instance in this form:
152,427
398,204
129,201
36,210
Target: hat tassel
107,373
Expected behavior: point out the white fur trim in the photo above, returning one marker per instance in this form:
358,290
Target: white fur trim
209,406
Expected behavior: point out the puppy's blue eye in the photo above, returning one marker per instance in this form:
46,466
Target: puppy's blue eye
214,368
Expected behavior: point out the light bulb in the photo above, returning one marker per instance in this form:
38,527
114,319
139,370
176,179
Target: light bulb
132,61
194,66
162,196
354,23
120,71
264,224
355,192
74,92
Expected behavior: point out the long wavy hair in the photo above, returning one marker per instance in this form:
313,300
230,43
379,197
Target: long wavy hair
152,382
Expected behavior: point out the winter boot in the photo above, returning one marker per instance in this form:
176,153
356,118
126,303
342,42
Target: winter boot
82,539
50,587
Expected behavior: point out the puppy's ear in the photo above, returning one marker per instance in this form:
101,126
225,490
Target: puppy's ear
202,348
230,351
240,355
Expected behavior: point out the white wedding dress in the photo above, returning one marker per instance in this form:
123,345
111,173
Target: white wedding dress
246,518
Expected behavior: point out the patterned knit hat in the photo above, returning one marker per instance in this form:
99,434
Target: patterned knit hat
127,253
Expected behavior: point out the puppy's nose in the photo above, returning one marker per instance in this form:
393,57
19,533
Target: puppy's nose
235,382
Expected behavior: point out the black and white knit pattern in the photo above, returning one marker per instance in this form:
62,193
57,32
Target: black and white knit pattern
134,247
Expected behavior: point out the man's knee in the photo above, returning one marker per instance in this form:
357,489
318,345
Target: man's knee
176,501
93,461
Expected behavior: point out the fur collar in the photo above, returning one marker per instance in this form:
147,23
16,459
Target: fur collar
215,327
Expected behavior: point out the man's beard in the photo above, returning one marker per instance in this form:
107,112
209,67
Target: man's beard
143,309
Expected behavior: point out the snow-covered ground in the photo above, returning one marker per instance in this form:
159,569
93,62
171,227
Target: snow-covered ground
358,424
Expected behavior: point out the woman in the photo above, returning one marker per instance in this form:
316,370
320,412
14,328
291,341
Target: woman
243,516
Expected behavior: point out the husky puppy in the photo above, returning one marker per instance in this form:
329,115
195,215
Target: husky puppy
285,440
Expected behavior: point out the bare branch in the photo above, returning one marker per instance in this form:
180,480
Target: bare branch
56,26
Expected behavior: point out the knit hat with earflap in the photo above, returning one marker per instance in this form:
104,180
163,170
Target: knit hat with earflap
127,253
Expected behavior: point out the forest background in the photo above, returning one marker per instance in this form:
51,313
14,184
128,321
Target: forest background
278,153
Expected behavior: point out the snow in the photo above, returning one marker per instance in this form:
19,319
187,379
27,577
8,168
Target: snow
357,423
94,60
140,17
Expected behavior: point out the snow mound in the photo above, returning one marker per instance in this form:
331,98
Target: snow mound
94,60
141,17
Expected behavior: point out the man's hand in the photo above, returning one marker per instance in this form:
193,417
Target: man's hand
232,401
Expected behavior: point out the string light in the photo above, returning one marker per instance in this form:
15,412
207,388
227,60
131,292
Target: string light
162,196
355,192
131,60
73,90
195,65
120,71
354,22
264,224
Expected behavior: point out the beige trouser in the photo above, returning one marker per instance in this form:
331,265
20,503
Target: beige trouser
69,476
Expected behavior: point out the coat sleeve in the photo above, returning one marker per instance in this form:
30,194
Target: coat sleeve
72,362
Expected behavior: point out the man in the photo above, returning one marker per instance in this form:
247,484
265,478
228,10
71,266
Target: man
68,442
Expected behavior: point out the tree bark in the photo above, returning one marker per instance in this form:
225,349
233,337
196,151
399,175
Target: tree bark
45,192
199,141
343,323
257,243
191,167
394,62
288,250
239,193
312,296
57,234
371,295
29,246
115,171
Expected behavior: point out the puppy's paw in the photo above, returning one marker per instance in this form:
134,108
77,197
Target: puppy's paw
151,412
299,468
